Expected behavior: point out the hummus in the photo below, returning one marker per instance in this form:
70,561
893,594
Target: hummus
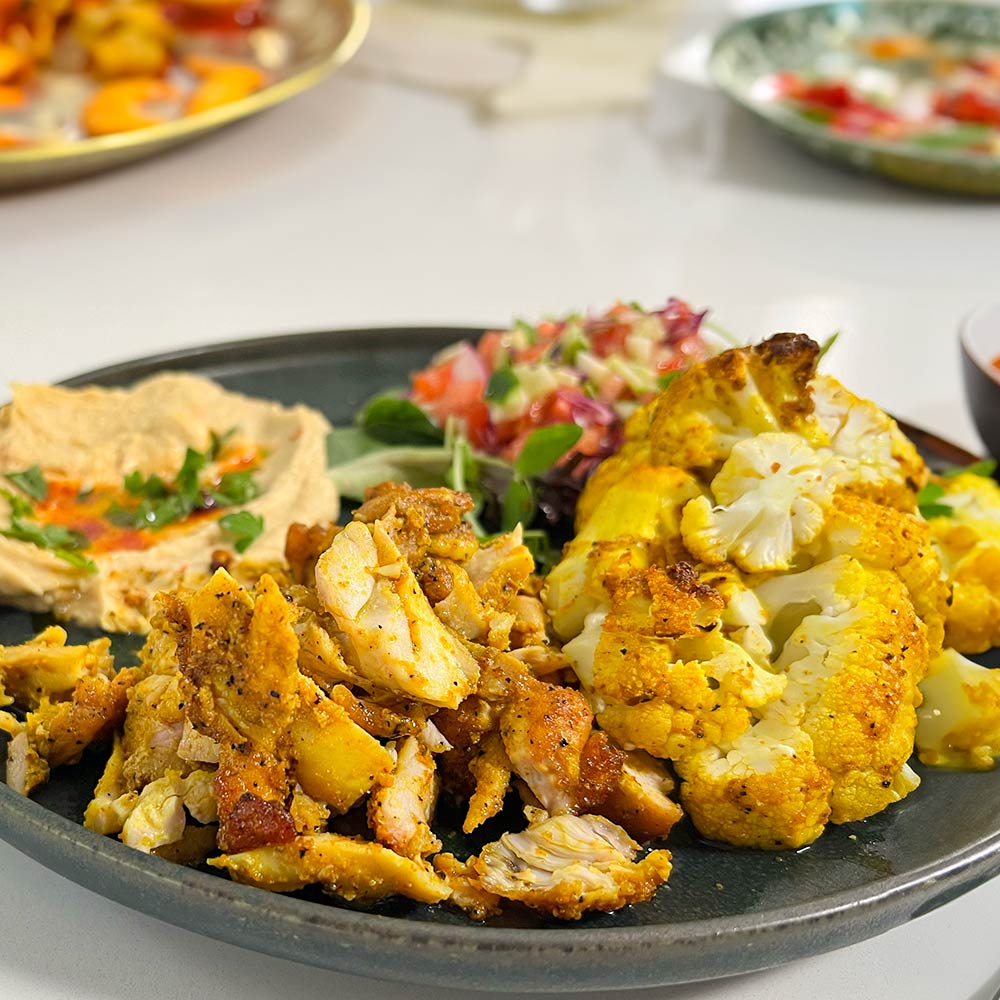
86,441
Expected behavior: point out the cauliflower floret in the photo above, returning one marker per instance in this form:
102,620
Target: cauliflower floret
959,721
968,543
881,462
663,677
634,519
855,653
885,538
763,790
566,865
771,495
735,395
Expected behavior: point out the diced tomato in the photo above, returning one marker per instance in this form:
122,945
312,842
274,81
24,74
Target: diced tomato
968,106
826,95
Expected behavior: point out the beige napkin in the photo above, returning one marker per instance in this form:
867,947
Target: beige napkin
511,63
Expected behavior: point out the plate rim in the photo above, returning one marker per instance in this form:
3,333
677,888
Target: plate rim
805,130
669,952
359,22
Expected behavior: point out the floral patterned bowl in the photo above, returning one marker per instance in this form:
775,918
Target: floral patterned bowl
784,40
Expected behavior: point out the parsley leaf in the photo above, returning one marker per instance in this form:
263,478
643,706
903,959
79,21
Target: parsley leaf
502,383
139,486
218,442
186,482
544,447
31,481
242,528
19,507
667,378
235,488
54,538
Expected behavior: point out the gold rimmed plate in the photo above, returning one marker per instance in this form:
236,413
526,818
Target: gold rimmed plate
322,37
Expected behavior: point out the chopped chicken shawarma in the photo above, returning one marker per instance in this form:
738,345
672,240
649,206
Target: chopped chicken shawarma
353,869
421,523
641,802
394,637
566,865
548,734
402,803
57,733
160,813
237,656
45,667
467,892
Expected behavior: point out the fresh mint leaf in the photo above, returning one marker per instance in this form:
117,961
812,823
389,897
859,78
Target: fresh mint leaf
501,384
242,528
544,447
398,421
31,481
985,468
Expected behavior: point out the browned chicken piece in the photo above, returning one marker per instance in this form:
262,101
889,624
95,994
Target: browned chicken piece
500,571
304,544
391,635
549,737
320,655
154,726
402,803
353,869
308,815
641,802
461,608
566,865
57,733
425,522
385,721
333,759
467,892
238,656
45,667
112,802
530,626
491,770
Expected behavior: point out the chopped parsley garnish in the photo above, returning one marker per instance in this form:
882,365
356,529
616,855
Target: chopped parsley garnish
666,378
161,503
54,538
31,481
242,528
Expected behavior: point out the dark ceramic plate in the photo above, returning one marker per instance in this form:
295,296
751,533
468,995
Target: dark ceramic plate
724,911
796,39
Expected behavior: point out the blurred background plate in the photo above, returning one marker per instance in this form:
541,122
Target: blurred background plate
324,35
794,39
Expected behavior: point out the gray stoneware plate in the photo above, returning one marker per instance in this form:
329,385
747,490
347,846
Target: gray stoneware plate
723,912
794,40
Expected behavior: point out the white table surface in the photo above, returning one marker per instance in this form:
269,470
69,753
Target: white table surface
362,204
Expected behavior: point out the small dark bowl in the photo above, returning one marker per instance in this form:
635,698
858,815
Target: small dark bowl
980,339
